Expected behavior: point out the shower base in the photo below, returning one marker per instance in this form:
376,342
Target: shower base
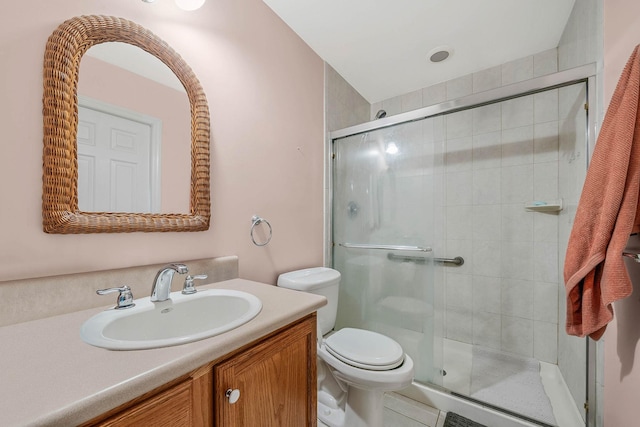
458,366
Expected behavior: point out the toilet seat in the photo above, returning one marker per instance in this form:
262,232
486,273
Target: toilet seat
365,349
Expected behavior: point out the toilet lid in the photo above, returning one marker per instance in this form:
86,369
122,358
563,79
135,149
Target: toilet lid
365,349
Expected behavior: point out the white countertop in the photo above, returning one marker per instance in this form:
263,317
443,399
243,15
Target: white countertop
49,376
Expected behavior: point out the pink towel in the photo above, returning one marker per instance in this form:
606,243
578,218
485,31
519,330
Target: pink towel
594,271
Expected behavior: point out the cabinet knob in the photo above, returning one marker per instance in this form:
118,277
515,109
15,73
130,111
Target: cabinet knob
233,395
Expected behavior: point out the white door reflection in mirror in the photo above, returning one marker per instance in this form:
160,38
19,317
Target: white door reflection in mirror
118,159
130,84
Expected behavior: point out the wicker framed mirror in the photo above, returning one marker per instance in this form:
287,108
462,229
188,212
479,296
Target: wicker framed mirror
63,53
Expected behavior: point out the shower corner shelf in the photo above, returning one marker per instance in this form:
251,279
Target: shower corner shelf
544,205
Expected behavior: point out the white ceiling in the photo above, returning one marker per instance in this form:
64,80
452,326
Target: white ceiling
381,47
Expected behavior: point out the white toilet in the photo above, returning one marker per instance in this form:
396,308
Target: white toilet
355,366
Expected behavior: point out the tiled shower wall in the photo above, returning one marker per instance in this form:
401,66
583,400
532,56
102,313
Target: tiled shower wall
344,105
496,158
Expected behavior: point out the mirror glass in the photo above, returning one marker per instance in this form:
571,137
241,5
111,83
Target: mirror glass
134,134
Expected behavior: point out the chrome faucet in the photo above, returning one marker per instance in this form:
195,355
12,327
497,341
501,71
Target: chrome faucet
162,283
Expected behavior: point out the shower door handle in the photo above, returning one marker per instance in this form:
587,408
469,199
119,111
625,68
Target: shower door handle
385,247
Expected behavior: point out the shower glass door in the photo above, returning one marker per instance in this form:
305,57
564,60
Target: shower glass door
496,184
384,237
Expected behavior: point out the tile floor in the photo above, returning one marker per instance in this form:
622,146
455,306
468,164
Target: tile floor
400,411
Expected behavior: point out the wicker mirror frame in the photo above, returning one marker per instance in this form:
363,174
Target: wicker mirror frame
63,53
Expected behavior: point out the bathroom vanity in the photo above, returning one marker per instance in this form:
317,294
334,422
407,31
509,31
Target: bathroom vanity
51,377
273,381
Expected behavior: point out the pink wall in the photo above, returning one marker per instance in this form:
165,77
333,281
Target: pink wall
622,354
113,85
265,92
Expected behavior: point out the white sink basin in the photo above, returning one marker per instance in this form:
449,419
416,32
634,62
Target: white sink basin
178,320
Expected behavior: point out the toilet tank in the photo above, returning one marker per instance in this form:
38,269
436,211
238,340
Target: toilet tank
321,281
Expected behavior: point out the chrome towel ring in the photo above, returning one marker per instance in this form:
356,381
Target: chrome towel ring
256,220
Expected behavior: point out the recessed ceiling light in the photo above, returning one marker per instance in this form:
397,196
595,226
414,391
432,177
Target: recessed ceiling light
439,54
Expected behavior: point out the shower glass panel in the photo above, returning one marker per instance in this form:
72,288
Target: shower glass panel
383,196
496,184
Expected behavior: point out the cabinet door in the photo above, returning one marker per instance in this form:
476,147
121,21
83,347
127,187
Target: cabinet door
276,380
169,408
186,404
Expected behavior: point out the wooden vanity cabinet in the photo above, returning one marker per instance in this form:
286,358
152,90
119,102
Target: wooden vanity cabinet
276,378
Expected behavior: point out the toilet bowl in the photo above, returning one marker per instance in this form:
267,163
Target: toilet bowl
355,366
365,383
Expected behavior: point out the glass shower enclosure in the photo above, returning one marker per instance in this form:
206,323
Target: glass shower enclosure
384,230
449,227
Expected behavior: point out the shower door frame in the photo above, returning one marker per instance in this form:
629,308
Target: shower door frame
583,74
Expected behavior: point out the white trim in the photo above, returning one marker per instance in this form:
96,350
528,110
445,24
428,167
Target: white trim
155,124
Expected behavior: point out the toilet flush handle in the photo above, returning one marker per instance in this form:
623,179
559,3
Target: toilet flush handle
233,395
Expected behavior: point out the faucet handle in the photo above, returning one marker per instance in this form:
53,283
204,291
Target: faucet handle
125,297
189,287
